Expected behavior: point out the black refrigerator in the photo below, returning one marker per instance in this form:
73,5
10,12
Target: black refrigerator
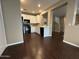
26,26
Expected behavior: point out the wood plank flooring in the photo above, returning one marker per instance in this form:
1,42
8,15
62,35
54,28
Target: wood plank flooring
37,47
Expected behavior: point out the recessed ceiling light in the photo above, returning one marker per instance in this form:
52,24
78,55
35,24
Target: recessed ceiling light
22,9
39,5
22,0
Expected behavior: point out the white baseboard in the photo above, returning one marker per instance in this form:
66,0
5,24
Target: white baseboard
2,50
71,43
47,35
14,43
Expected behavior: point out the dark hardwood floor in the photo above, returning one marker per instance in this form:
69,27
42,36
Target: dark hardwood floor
36,47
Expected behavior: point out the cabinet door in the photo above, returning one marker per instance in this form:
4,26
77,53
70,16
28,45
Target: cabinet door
33,19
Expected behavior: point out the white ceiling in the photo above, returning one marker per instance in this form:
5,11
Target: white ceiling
31,5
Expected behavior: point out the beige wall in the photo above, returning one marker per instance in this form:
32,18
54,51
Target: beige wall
2,32
12,20
72,34
71,30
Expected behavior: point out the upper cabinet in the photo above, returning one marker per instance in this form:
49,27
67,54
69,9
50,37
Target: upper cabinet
33,19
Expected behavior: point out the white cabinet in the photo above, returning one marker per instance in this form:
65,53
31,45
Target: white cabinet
32,29
33,19
45,31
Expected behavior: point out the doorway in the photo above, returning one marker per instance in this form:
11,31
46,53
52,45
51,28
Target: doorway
59,14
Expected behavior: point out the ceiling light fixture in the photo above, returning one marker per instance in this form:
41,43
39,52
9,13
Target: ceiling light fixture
22,0
22,9
39,5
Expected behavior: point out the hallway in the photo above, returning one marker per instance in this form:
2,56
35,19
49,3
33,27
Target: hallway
36,47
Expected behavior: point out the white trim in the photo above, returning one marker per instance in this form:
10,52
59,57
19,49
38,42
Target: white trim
47,35
2,50
71,43
14,43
